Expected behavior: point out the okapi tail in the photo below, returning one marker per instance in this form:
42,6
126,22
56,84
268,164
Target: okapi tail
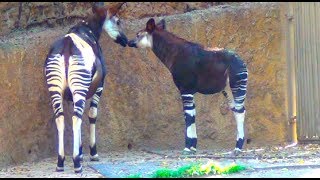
229,99
67,42
67,52
238,78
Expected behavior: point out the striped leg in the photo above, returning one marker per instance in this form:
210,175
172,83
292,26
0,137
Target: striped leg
79,82
80,148
190,130
94,110
238,85
92,119
80,144
56,81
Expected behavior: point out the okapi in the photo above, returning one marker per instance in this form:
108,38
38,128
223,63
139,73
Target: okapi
197,69
75,71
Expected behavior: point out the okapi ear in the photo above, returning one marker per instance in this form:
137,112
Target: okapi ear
162,24
114,9
98,8
150,25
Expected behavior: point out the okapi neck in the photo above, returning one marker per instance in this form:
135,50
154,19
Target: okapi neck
95,24
164,47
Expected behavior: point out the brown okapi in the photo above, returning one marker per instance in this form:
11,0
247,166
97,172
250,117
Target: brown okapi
75,71
197,69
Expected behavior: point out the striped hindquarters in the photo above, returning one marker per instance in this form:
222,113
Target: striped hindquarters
56,80
79,80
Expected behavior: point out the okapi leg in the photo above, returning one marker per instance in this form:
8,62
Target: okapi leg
190,130
76,127
93,112
56,82
79,80
238,85
61,157
60,127
80,142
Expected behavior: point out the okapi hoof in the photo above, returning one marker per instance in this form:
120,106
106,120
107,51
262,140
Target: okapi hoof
78,170
194,150
187,151
94,158
77,165
236,151
93,153
59,169
60,164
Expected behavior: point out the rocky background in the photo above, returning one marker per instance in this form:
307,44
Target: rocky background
140,106
26,15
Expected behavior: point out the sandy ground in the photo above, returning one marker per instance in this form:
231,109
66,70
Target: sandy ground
298,161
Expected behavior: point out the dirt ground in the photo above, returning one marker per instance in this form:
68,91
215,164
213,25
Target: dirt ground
261,162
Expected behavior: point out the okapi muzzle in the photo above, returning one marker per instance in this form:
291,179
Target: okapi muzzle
132,43
122,40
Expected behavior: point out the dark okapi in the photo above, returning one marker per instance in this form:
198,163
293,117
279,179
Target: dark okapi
75,70
197,69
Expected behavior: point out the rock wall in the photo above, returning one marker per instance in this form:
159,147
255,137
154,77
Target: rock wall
26,15
140,104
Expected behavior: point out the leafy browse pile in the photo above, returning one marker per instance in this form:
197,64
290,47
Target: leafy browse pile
196,169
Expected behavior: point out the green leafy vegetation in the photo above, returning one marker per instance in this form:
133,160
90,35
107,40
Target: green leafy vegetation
194,169
135,176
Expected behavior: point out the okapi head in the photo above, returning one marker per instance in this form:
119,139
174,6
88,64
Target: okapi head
144,37
111,22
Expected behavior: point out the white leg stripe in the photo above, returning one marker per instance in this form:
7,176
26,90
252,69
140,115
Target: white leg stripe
240,122
93,112
95,99
76,125
60,127
238,106
187,95
191,131
188,104
242,73
193,149
92,134
191,112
